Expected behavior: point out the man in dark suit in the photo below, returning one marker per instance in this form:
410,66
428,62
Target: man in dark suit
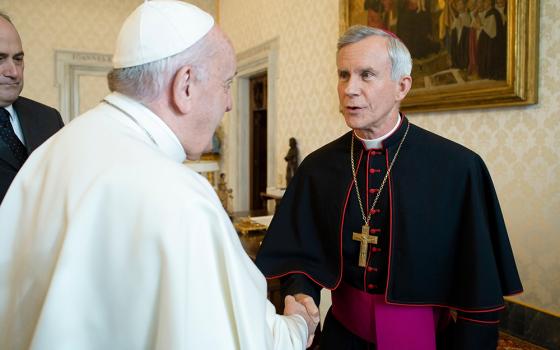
24,124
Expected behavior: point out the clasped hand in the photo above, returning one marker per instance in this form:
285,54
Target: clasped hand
303,305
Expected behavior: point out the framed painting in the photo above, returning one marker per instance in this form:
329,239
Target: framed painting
466,53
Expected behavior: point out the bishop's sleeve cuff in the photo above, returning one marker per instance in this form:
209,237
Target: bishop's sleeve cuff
298,283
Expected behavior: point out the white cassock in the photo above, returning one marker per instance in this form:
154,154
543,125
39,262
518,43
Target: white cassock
107,241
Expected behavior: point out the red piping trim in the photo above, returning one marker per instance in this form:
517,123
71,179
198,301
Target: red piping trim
294,272
389,189
445,306
367,182
391,251
342,224
395,303
348,192
364,287
478,321
366,272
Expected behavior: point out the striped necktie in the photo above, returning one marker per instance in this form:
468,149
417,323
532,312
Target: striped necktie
9,137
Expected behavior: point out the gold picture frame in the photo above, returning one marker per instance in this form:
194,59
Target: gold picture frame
519,87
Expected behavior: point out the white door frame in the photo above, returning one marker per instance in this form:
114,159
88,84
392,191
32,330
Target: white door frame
69,67
250,63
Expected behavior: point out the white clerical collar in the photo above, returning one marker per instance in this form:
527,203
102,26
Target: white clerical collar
155,128
377,143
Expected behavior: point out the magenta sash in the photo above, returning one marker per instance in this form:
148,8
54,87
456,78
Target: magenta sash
388,326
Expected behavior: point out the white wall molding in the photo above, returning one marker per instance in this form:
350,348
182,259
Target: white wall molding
69,67
256,60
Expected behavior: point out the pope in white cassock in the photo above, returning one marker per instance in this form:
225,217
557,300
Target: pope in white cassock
109,242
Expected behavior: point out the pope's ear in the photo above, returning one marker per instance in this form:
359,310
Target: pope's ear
182,89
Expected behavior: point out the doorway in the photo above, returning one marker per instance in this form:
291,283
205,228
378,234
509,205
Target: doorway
258,118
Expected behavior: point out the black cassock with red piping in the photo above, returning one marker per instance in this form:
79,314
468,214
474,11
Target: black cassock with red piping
442,238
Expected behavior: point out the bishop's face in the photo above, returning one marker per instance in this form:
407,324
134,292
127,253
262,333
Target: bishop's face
11,64
369,98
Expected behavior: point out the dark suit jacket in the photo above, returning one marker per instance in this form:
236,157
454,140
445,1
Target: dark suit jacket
38,122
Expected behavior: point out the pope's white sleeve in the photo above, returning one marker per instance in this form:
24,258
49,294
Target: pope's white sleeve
288,332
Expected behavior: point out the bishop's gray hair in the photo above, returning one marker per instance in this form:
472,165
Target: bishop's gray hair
401,62
147,82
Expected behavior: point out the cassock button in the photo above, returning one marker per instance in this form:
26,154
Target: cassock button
373,190
375,249
369,269
374,230
371,286
373,171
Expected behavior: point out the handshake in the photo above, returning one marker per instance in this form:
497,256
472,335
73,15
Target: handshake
303,305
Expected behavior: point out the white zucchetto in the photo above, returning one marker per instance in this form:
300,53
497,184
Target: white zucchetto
159,29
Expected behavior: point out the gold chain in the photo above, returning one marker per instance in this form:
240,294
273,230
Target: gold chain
366,220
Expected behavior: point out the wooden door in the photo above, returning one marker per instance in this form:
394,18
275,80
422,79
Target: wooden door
258,140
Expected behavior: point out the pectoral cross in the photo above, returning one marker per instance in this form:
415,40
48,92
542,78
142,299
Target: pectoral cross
364,238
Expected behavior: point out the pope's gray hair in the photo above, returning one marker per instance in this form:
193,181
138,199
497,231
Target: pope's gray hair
148,81
401,62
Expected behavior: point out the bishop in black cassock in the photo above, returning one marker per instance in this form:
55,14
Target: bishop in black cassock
441,243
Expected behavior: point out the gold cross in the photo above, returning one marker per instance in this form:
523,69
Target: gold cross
364,238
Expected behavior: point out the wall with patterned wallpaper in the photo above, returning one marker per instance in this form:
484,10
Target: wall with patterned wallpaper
521,146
